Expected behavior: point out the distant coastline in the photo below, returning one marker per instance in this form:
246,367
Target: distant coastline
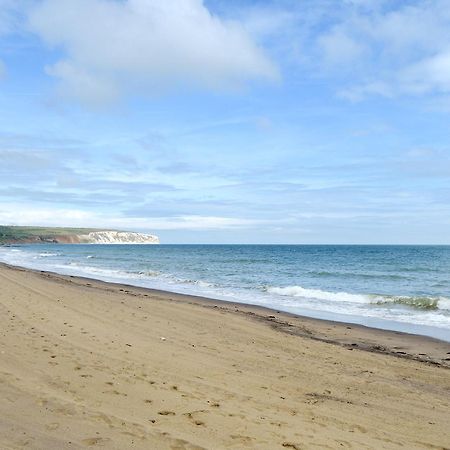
55,235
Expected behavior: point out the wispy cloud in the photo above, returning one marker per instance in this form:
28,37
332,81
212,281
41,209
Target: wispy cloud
9,12
392,50
82,218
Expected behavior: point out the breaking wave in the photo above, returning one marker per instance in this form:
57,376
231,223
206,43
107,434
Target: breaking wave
416,302
360,289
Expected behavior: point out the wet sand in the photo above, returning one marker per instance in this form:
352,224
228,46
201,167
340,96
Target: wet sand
89,364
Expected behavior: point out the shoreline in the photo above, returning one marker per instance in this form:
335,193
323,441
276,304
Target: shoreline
86,363
346,334
396,306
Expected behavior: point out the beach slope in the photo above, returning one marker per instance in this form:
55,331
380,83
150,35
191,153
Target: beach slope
87,364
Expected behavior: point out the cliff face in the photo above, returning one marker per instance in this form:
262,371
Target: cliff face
117,237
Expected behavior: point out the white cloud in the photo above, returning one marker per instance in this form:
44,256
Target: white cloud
84,85
429,74
111,48
396,50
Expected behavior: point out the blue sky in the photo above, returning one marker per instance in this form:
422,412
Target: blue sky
307,121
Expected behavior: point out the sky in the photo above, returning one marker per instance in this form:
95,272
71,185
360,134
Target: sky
228,121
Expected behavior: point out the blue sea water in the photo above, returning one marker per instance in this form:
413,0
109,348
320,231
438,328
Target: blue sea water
404,288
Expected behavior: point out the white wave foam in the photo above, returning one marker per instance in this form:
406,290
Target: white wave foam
151,273
444,303
318,294
204,283
418,302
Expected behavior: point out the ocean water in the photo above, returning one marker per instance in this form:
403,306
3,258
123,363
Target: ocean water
403,288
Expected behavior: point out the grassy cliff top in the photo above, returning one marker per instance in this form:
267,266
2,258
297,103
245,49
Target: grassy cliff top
24,234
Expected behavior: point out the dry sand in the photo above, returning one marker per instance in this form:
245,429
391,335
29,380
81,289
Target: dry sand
90,364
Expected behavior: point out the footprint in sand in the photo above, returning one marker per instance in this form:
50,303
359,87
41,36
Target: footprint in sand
291,445
166,413
191,416
241,438
96,441
115,392
66,410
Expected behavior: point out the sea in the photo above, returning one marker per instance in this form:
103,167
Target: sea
401,288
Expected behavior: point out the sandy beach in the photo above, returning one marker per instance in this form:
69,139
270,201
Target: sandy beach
90,364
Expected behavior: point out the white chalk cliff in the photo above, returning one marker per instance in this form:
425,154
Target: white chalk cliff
117,237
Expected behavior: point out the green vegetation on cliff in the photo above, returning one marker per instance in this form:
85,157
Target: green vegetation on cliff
18,235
